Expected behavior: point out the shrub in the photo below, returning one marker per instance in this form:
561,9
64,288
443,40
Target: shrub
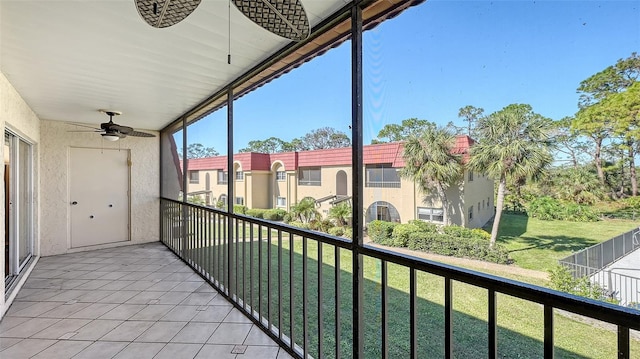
276,214
544,208
256,212
299,224
401,232
322,225
336,231
450,245
348,233
457,231
287,218
424,226
579,213
381,231
562,279
240,209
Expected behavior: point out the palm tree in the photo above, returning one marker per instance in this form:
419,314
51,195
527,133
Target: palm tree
513,147
341,213
430,163
305,210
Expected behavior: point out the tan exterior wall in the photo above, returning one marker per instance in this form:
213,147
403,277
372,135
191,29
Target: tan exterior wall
16,115
260,189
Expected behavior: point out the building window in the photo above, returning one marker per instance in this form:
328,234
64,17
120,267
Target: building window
381,175
281,176
471,212
281,202
194,176
309,176
239,175
223,177
470,176
240,200
431,214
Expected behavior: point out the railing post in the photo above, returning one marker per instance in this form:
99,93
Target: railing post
230,193
357,179
184,187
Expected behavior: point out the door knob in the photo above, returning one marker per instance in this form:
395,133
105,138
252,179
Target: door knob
74,203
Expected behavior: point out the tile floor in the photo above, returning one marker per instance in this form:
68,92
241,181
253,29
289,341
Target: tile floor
128,302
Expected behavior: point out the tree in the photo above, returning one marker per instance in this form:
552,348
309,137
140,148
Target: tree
513,147
394,132
323,138
568,143
470,114
625,106
270,145
431,163
198,150
595,119
340,213
305,210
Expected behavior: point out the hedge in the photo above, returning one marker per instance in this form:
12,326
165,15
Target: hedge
276,214
256,212
453,241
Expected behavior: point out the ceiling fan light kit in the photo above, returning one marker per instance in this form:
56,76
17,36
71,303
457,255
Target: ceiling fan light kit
111,131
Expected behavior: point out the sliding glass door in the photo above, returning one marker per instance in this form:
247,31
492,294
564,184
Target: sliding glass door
18,167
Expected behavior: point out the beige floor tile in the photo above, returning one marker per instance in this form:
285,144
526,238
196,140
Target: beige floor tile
181,313
99,350
258,337
212,314
161,332
63,349
29,328
153,312
26,348
94,311
140,351
127,331
8,342
230,333
123,311
61,328
197,333
179,351
216,351
235,316
96,329
260,352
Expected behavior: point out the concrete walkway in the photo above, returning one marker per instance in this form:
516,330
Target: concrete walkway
127,302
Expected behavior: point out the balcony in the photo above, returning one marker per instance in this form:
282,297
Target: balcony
131,302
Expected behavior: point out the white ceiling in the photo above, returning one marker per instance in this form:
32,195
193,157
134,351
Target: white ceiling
68,59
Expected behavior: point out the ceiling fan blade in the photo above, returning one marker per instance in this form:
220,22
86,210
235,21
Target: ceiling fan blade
82,125
122,129
140,134
86,131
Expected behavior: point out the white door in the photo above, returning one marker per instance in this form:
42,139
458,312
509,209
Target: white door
98,196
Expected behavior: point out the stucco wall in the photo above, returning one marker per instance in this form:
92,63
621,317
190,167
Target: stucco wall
54,159
18,116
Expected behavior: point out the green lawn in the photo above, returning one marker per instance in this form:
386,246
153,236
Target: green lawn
536,244
520,322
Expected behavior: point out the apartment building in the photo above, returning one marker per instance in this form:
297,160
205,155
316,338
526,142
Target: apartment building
281,180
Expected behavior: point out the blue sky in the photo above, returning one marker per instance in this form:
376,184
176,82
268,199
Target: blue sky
438,57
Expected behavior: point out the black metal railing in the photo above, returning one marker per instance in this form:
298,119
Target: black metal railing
591,260
297,286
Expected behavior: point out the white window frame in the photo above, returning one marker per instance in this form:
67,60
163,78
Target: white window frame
431,213
281,201
239,176
281,176
194,179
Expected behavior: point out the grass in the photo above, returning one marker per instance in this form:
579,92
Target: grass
520,322
537,244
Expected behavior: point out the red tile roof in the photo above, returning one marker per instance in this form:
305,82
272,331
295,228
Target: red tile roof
372,154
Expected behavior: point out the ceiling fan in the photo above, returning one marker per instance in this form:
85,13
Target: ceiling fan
286,18
111,131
